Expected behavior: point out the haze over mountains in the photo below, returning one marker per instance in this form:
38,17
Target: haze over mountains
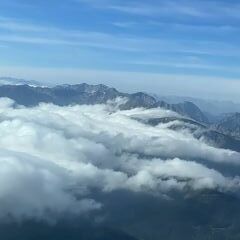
89,162
213,107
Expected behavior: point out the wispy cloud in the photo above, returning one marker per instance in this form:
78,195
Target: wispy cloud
125,24
23,32
197,28
138,37
188,65
197,9
147,9
20,25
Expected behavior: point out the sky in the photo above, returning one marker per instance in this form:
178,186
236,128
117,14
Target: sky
171,47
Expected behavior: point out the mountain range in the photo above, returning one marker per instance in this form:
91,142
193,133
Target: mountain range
224,133
64,95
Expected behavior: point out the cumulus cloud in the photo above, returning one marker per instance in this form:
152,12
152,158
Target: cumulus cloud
31,187
53,157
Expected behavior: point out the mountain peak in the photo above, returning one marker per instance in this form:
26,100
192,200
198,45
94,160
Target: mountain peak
19,81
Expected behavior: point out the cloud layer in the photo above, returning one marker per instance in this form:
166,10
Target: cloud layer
53,157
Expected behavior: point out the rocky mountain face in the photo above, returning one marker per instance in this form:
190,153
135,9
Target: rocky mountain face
92,94
60,95
229,125
200,131
187,109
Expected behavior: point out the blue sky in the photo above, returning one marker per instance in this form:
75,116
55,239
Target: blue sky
180,47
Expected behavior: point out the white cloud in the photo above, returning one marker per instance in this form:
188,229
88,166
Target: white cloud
52,157
183,8
35,188
20,31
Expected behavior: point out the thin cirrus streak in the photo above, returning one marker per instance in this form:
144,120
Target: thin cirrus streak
192,9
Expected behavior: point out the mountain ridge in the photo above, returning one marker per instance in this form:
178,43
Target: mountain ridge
92,94
67,94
